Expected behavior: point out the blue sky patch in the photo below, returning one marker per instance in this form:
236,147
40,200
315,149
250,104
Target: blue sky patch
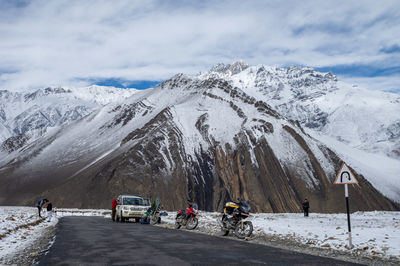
330,28
361,70
391,50
393,90
122,83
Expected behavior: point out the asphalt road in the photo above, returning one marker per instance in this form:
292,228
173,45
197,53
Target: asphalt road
99,241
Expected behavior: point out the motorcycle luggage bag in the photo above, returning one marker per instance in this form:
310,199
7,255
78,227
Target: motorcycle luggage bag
230,207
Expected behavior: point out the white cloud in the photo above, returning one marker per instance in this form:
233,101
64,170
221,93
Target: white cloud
58,42
375,83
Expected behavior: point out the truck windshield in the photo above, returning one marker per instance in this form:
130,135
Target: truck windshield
132,201
146,202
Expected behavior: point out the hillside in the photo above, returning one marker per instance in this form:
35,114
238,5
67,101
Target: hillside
190,139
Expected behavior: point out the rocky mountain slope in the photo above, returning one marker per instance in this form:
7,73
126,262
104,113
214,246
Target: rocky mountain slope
365,119
363,126
197,139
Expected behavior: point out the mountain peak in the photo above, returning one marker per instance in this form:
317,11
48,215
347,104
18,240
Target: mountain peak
230,69
298,70
238,67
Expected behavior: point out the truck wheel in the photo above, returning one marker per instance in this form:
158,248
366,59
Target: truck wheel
137,220
122,219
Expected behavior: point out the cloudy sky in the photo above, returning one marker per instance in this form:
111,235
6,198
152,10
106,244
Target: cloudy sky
127,43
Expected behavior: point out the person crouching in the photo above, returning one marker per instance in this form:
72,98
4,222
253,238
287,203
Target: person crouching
39,205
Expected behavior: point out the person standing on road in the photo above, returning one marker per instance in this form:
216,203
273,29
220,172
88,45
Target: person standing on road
306,206
39,205
114,209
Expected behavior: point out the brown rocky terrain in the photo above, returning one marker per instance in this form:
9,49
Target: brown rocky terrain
225,174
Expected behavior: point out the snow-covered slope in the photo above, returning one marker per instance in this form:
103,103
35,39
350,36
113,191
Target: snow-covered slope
383,172
364,119
365,123
24,112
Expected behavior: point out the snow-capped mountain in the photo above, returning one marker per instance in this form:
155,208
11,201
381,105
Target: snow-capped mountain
191,138
24,115
364,119
363,126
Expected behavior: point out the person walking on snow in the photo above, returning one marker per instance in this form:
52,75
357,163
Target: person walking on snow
114,209
306,206
39,205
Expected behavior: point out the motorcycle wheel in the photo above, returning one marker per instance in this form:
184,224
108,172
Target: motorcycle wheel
177,225
243,230
192,223
153,219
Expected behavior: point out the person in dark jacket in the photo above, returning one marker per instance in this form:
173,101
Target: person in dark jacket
114,208
39,205
49,206
306,206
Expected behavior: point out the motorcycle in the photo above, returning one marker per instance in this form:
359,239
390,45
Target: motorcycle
233,219
155,216
187,218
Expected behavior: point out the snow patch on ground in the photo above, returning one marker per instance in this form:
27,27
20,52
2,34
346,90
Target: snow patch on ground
21,226
375,234
18,229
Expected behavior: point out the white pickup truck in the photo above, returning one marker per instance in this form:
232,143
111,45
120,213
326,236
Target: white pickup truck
131,207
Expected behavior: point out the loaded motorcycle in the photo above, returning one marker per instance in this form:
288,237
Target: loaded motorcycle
155,212
187,217
233,219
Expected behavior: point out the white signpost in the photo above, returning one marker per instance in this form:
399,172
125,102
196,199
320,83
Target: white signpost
345,177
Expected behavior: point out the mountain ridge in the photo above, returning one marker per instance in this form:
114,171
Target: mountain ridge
191,138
